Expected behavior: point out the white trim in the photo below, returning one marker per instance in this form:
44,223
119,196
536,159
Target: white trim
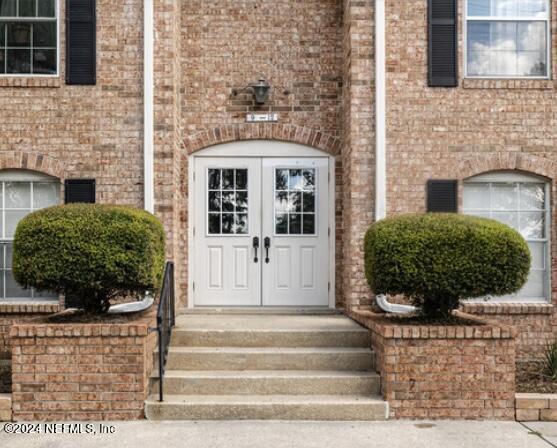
58,43
549,42
259,148
505,176
380,113
148,107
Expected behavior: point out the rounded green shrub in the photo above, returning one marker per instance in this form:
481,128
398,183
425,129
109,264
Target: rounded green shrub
93,253
436,260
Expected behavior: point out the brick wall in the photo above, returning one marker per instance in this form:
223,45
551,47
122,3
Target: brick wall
444,372
455,133
82,371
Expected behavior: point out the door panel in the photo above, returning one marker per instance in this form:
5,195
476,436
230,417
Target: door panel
295,216
227,218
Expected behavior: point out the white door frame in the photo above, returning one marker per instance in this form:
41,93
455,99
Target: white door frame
261,148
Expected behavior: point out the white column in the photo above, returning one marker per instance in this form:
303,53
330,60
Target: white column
148,107
380,113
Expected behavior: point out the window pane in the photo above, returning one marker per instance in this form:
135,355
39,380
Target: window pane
479,7
535,286
503,63
9,248
12,220
504,197
19,34
2,34
531,63
27,8
44,34
45,195
508,218
537,252
44,295
476,196
46,8
479,63
19,61
532,197
44,62
2,61
18,194
533,8
13,290
7,8
532,225
505,7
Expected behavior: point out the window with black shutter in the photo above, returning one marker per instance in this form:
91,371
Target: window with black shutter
80,190
81,46
442,196
443,43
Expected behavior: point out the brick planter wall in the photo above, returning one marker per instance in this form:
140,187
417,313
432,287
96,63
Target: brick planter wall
536,407
81,371
444,372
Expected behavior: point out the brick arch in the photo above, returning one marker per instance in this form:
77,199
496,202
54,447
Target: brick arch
527,163
263,131
21,160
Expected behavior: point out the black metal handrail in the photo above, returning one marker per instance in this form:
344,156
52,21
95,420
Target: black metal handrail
166,319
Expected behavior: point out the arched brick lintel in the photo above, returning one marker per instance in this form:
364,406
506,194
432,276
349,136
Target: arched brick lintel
21,160
263,131
527,163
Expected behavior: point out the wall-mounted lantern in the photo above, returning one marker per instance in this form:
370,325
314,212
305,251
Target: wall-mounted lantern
260,91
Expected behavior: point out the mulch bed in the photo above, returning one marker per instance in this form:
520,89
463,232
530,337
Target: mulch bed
531,379
81,317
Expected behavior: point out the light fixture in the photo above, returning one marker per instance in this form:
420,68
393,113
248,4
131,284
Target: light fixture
260,90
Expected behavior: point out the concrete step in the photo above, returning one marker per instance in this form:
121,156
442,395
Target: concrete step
268,358
272,382
267,407
270,338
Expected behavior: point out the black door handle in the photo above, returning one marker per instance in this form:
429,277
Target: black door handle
267,246
255,248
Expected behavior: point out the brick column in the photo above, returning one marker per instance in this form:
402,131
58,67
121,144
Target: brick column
358,148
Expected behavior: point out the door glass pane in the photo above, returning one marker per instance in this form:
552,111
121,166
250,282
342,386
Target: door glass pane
227,201
295,201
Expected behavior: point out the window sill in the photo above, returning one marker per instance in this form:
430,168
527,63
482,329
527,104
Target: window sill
507,308
30,81
511,84
31,307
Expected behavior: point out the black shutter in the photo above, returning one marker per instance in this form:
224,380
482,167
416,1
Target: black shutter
442,196
80,190
443,43
81,42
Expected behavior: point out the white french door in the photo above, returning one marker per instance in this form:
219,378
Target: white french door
261,231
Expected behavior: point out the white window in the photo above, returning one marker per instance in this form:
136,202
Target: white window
521,202
28,37
21,193
507,38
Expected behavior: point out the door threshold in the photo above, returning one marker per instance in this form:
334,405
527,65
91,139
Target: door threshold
262,310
